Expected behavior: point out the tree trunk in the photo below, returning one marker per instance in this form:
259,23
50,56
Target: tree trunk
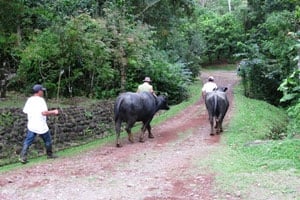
299,59
202,2
229,5
19,34
123,77
2,84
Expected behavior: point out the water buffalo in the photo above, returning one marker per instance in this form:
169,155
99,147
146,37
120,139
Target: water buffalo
217,105
132,107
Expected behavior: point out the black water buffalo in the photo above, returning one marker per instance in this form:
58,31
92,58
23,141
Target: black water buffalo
217,105
132,107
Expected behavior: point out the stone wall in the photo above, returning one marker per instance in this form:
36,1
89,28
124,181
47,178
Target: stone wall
74,125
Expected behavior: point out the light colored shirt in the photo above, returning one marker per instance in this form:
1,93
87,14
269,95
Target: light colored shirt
209,87
145,87
34,107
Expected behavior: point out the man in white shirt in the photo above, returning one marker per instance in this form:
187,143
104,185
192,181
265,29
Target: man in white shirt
37,112
209,86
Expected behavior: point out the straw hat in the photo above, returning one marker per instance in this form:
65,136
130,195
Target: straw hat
147,79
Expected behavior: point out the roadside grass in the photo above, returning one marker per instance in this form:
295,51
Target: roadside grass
250,165
250,129
226,67
13,100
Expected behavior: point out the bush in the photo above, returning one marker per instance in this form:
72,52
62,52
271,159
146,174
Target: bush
291,95
260,80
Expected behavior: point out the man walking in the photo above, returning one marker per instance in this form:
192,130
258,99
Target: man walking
37,112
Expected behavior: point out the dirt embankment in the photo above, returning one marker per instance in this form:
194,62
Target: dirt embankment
161,168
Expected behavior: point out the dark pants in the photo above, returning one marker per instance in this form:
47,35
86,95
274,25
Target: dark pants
30,136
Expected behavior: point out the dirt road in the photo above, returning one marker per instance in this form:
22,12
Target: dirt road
161,168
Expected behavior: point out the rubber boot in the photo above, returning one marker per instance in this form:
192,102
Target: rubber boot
23,155
50,154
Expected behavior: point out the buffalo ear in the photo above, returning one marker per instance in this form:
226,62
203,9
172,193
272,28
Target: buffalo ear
225,89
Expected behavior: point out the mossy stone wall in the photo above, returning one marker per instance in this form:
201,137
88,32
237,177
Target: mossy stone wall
74,125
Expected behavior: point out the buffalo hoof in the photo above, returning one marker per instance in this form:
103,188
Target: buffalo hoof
212,134
151,136
119,145
130,140
142,140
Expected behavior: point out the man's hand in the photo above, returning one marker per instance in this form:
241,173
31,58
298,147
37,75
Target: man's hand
55,112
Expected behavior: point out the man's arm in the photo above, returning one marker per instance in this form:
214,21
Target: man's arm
50,112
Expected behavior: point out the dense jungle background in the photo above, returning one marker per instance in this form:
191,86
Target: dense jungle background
98,48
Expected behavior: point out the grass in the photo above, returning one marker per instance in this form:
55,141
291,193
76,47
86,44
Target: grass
249,131
13,100
226,67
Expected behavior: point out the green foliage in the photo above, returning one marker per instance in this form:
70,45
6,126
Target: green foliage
259,9
221,6
38,58
131,45
77,51
270,57
99,58
275,43
185,44
6,119
11,13
100,48
172,22
136,56
294,114
291,88
171,79
221,34
167,79
85,57
291,93
260,80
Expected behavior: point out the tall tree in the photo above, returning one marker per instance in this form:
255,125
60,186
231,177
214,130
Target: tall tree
11,13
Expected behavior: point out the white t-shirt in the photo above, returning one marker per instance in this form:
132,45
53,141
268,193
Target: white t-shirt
209,87
34,107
